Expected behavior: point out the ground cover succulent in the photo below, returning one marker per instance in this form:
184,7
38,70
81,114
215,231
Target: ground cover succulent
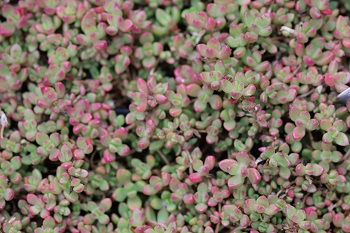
163,116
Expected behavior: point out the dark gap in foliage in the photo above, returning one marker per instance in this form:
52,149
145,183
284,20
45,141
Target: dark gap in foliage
169,71
342,7
256,145
317,135
144,197
345,61
166,47
59,30
13,2
88,72
24,87
187,4
285,119
122,111
93,158
51,167
281,129
37,219
2,18
182,26
133,72
136,155
43,58
340,148
182,61
209,150
327,90
11,206
83,212
114,208
226,230
160,161
312,114
44,118
269,57
217,92
71,134
120,99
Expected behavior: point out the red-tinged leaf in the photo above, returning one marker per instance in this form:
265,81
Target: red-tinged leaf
325,59
202,50
346,226
298,133
207,77
235,181
317,170
88,141
226,86
105,204
304,116
243,158
201,207
285,172
325,124
60,89
329,80
312,124
210,162
272,209
346,42
123,150
121,63
224,53
149,190
342,139
226,164
103,219
126,25
262,201
253,175
9,194
294,113
149,62
41,138
229,126
327,11
338,125
192,90
32,199
213,43
220,66
308,61
327,138
196,20
195,177
249,90
338,219
7,29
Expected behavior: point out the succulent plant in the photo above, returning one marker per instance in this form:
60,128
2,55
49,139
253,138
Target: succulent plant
161,116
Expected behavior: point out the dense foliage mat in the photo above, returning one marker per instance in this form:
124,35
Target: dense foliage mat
174,116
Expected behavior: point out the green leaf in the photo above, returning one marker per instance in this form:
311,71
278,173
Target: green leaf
342,139
134,202
226,86
235,181
163,17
